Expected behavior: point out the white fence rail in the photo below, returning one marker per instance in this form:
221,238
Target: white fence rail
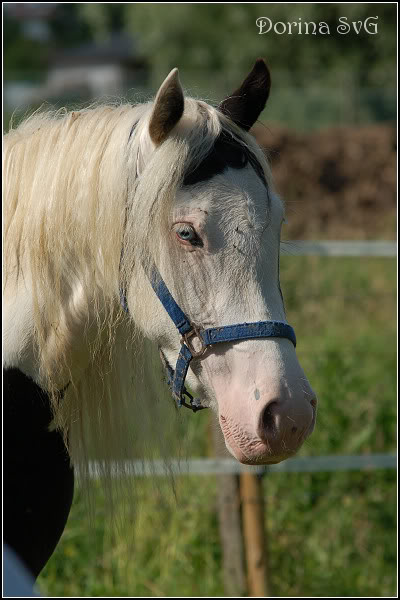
340,248
224,466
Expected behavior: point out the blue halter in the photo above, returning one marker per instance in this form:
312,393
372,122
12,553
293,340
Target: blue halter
205,338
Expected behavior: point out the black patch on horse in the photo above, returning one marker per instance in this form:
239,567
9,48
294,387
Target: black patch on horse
38,481
227,152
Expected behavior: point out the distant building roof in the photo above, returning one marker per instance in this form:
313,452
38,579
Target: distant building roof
119,48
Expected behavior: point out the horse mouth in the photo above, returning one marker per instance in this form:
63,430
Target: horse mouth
248,449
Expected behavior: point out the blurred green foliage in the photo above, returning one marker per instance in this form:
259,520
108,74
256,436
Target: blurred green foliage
317,79
223,38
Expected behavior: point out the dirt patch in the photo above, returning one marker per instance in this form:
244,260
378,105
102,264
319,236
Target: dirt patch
337,183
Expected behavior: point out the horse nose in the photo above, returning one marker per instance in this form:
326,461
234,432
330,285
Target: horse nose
268,425
285,421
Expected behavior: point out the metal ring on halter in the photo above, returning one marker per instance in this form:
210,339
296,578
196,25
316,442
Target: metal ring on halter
186,339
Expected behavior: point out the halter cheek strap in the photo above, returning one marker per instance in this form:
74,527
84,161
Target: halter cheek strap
196,340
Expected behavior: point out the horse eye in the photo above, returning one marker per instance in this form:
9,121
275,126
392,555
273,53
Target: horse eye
187,233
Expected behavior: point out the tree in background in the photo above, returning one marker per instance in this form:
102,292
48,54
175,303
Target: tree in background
223,38
214,45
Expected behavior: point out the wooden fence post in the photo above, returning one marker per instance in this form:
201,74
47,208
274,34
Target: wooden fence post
254,533
229,518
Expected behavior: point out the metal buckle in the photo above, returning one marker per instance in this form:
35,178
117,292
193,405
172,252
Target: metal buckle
194,332
194,403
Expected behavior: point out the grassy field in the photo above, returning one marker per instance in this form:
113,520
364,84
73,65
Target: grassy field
329,534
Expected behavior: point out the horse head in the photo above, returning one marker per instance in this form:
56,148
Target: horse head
215,241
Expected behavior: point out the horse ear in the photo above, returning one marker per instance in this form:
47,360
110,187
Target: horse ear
248,101
168,108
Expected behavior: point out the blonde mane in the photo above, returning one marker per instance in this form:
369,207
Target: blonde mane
76,194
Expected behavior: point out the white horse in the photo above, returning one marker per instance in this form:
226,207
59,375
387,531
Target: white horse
95,200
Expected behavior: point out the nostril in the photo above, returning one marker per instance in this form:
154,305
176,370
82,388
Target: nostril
267,425
313,403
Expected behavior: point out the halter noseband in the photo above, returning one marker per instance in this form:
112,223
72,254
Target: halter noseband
205,338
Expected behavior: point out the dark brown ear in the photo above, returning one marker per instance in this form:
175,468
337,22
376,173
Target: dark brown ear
246,103
168,108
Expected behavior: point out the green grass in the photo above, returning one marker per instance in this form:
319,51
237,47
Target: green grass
329,534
